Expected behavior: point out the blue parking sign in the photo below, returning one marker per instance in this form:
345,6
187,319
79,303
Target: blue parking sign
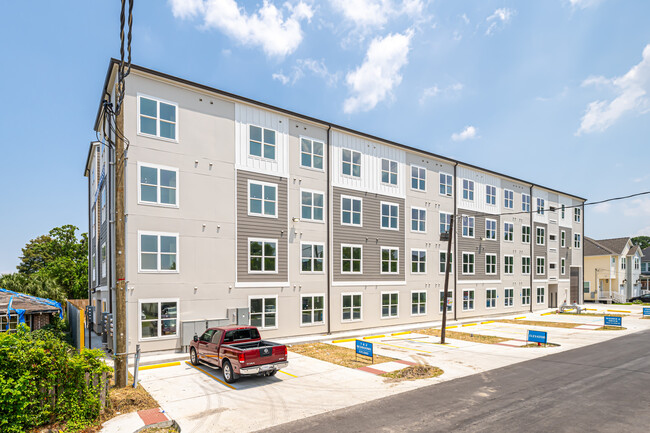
646,311
613,321
537,336
364,348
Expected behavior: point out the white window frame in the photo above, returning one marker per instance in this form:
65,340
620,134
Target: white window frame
158,253
263,185
440,263
508,199
93,261
537,235
312,260
311,153
577,240
466,302
312,192
447,186
381,260
103,252
525,237
468,189
493,236
418,262
540,298
262,143
542,266
264,312
420,169
351,272
490,195
623,263
450,295
390,217
469,226
494,300
448,217
525,202
495,265
420,210
468,253
508,234
312,296
159,301
562,238
352,164
352,295
390,172
525,298
390,304
263,241
157,135
562,211
562,266
158,187
523,265
540,203
351,223
577,214
506,265
419,303
506,297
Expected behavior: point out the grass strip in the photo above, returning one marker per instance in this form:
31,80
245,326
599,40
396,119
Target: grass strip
336,354
610,328
464,336
589,314
414,372
542,346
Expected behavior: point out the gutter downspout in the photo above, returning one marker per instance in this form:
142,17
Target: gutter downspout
532,258
455,191
90,260
581,287
329,232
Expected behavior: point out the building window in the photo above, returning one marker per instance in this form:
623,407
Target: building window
540,206
576,214
263,312
158,185
576,240
9,324
508,297
540,235
562,212
541,265
443,261
351,163
418,220
623,263
540,295
446,184
389,304
418,178
351,259
468,299
525,265
262,255
525,202
351,307
508,265
93,264
389,216
552,265
445,220
525,296
158,318
262,199
525,234
468,189
102,258
158,252
311,153
563,239
311,205
490,194
490,298
418,303
312,257
389,172
419,261
102,203
508,199
261,142
389,260
311,309
490,264
508,232
637,263
157,118
490,229
450,300
468,263
468,226
563,266
350,211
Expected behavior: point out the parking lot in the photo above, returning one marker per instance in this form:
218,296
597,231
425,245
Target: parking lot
199,400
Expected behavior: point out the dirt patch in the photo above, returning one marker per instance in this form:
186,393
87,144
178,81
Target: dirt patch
336,354
610,328
542,346
160,430
540,323
414,372
464,336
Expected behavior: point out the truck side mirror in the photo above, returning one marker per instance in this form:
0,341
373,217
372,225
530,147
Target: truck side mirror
196,338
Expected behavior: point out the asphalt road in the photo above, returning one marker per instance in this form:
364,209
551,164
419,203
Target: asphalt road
604,387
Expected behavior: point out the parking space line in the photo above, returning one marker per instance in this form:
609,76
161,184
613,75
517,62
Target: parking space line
400,333
469,324
374,336
451,327
345,340
166,364
211,375
522,317
288,374
618,311
487,322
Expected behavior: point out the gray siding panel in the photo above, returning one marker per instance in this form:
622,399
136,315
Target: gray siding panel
371,236
539,250
478,247
261,227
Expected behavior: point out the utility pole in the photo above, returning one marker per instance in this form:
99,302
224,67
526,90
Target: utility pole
120,265
450,237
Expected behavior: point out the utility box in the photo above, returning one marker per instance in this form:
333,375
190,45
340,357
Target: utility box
190,328
238,316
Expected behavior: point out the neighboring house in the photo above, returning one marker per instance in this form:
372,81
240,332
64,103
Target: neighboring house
241,211
612,269
18,308
645,270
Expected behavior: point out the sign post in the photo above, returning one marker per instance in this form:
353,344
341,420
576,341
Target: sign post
538,337
364,348
613,321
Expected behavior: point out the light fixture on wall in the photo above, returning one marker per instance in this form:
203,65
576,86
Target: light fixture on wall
295,219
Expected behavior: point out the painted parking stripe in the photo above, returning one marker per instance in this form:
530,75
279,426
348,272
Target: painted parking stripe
210,375
288,374
374,336
487,322
345,340
400,333
469,324
166,364
618,311
522,317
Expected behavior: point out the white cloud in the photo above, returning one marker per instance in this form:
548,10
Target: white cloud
315,67
282,78
602,208
632,91
583,4
266,27
498,19
645,231
638,207
433,91
374,80
466,134
465,19
376,13
640,178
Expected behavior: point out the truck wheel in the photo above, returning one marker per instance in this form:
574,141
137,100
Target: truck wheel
229,374
193,358
273,373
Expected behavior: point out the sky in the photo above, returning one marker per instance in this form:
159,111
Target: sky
552,91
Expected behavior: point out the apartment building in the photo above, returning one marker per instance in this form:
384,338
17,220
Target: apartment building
238,211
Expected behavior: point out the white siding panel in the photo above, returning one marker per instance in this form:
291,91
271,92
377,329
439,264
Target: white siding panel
480,181
533,204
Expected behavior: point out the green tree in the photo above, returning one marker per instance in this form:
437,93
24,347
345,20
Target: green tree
642,241
38,284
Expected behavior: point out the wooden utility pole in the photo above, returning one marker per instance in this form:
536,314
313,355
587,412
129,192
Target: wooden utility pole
450,235
120,265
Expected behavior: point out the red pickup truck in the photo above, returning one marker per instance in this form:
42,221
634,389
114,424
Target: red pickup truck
238,351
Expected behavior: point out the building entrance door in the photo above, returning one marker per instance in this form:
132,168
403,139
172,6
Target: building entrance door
552,296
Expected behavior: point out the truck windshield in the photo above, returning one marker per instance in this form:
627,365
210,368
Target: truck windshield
241,334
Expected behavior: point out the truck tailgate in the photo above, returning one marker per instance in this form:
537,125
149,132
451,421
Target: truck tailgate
264,355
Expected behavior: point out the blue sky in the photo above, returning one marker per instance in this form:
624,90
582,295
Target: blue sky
552,91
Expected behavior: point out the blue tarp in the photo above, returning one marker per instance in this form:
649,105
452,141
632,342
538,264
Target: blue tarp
20,312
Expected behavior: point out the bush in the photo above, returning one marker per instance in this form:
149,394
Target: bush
43,381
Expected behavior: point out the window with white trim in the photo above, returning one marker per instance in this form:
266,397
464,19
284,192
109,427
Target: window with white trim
418,220
102,203
389,260
508,265
623,263
490,194
468,226
563,239
388,171
540,295
157,118
418,178
311,309
450,300
443,261
350,211
490,264
419,261
490,298
389,304
311,257
93,262
540,206
468,189
468,299
158,185
351,305
576,214
311,153
525,296
351,259
508,297
490,229
525,265
468,263
158,318
158,252
446,184
261,142
562,212
540,235
262,199
445,221
264,312
508,199
311,205
102,258
637,263
525,234
418,303
563,266
262,256
389,216
508,232
576,240
351,163
525,202
540,269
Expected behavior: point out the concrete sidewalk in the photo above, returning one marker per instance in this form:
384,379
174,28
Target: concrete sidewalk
136,421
